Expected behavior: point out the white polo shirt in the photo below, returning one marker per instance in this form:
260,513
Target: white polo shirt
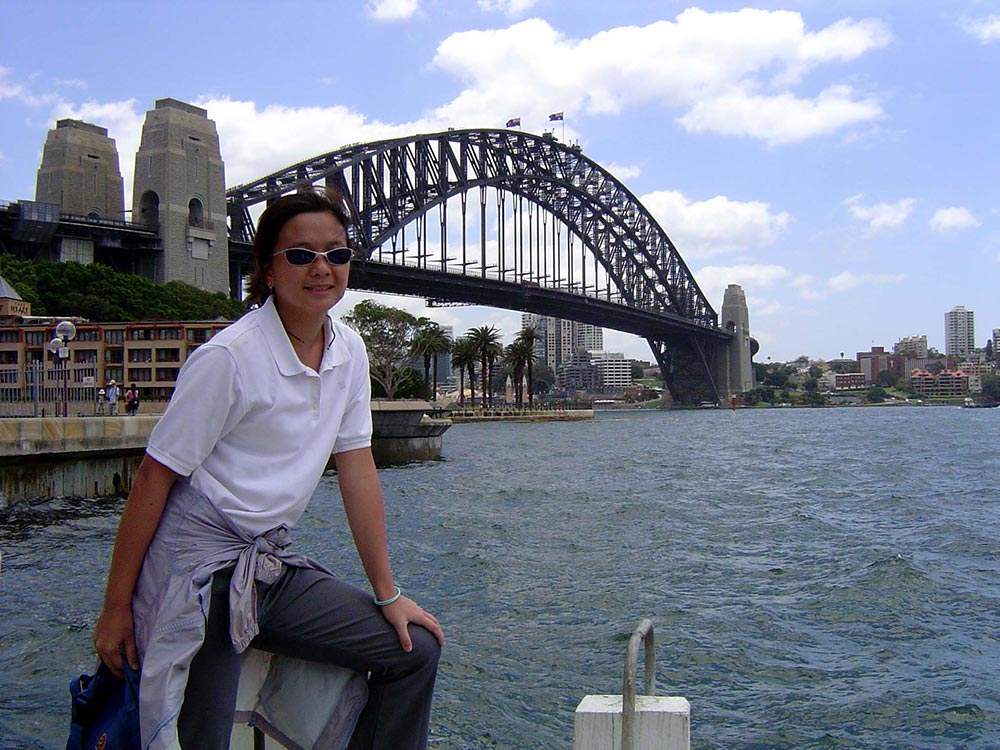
254,428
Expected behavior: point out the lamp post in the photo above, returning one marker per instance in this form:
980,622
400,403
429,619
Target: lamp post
59,346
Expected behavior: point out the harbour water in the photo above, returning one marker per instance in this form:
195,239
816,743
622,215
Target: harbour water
817,578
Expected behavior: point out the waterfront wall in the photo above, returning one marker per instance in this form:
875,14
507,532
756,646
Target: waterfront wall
47,457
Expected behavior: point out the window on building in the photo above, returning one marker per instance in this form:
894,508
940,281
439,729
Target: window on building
140,355
169,334
9,337
168,355
140,375
35,338
114,336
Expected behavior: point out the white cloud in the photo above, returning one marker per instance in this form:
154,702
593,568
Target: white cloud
713,280
842,282
511,8
880,216
953,219
703,228
986,30
729,73
623,173
782,118
18,92
393,10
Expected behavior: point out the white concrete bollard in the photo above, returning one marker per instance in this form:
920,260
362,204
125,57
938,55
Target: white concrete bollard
661,723
631,722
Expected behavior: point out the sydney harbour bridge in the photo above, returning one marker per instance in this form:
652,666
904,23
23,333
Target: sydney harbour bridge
492,217
513,220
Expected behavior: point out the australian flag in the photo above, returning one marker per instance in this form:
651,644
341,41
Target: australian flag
556,117
514,122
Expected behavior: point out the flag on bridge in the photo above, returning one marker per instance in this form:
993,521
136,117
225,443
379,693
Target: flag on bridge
514,122
556,117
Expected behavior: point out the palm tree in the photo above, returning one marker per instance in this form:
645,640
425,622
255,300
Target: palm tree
516,356
430,341
529,336
487,342
464,356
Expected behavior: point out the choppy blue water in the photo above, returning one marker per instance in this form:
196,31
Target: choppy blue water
817,578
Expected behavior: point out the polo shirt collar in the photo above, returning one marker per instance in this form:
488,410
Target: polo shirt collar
335,350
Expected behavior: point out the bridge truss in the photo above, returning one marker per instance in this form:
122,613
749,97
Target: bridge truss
513,220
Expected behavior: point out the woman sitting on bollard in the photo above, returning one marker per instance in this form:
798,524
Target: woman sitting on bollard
201,567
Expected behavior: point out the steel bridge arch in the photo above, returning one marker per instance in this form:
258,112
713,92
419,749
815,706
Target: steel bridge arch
393,183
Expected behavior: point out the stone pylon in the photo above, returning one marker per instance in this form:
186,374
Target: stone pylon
80,171
179,185
735,372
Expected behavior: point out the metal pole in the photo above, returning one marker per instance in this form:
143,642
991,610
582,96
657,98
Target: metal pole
642,633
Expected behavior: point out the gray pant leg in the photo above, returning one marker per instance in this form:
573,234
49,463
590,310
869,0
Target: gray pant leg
206,718
311,615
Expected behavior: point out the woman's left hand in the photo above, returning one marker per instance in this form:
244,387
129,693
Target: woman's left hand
402,612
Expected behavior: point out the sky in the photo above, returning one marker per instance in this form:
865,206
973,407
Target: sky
838,160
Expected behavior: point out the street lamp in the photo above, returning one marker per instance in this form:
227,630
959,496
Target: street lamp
59,346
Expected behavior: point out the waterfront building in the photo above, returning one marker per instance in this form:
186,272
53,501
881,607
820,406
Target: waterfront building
614,372
945,383
976,373
845,381
560,340
871,363
959,333
911,346
148,353
11,304
996,343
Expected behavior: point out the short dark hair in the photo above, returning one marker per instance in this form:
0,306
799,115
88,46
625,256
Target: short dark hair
318,199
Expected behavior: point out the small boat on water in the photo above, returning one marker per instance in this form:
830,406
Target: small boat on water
986,402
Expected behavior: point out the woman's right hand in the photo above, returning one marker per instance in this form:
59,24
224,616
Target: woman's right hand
113,634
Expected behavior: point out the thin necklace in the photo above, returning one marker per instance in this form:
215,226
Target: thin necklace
301,341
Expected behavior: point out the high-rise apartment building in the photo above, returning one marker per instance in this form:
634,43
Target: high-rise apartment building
914,347
959,333
560,339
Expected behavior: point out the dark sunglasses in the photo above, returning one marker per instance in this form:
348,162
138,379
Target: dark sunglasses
300,256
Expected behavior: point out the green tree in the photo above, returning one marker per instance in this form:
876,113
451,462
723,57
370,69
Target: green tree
813,398
936,367
98,293
811,385
815,372
991,387
486,339
886,379
988,350
516,356
464,356
875,395
388,333
529,336
429,341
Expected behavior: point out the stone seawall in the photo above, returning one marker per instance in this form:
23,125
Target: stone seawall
47,457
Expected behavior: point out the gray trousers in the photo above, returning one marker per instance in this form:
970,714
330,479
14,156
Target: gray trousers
314,616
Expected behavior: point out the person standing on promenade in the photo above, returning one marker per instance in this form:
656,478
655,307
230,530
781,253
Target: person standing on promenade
201,567
102,401
132,401
112,394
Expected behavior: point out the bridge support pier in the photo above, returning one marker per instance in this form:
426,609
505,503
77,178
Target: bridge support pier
735,371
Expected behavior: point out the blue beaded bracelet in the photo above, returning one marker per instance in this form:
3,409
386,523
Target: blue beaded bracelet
390,600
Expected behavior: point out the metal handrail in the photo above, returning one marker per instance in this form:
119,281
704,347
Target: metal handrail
642,633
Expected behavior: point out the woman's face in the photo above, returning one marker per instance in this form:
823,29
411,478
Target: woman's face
313,289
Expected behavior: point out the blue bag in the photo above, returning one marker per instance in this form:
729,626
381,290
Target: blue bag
105,712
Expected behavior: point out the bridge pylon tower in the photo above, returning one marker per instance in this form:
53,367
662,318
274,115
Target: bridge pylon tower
179,185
